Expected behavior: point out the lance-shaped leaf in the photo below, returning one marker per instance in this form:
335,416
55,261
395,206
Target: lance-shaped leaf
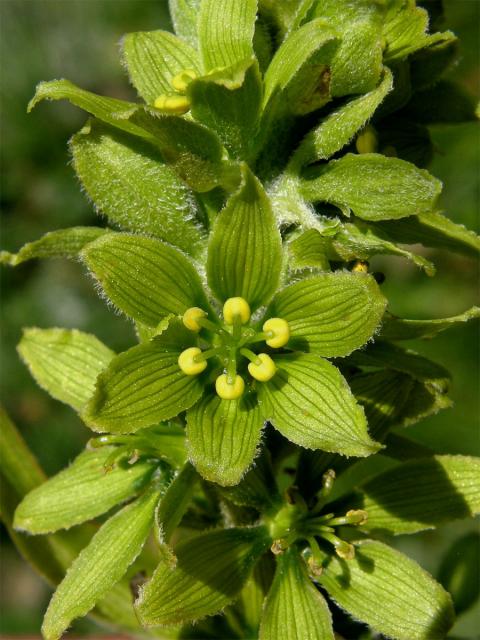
142,386
373,187
153,59
129,182
293,54
63,243
284,16
252,597
310,403
458,571
225,32
433,230
244,253
143,277
421,494
223,437
362,240
193,150
64,362
399,329
389,592
331,314
339,127
428,65
175,501
184,14
228,102
211,569
100,565
294,607
109,110
82,491
257,489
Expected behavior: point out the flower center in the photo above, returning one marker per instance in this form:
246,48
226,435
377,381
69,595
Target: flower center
233,343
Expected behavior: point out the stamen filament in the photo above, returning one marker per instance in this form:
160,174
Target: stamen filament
205,355
260,337
253,357
232,366
211,326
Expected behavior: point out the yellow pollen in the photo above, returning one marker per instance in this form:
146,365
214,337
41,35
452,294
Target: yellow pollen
360,267
367,140
264,371
191,318
181,81
228,391
172,104
236,307
345,550
280,330
359,514
188,364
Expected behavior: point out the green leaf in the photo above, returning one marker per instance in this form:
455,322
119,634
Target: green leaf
176,500
129,182
223,437
109,110
229,102
225,32
309,250
405,31
100,565
211,570
294,53
445,102
338,128
285,16
330,314
82,491
428,65
249,605
153,59
458,571
64,362
294,607
194,152
142,386
244,253
310,403
422,494
168,282
63,243
389,592
399,329
184,14
373,187
433,230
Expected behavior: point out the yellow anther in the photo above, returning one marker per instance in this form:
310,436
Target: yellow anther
188,363
191,318
367,140
181,81
345,550
228,391
360,267
263,371
236,307
280,330
172,104
357,516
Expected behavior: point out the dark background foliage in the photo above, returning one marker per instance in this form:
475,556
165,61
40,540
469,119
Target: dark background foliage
78,39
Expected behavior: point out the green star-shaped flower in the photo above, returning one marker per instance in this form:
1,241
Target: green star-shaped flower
234,371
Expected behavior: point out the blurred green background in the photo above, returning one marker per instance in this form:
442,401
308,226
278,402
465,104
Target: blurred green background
78,39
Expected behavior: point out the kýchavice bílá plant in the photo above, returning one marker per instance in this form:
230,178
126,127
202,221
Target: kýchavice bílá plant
279,146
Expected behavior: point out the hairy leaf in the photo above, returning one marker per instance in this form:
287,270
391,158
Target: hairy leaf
141,387
225,31
82,491
244,253
421,494
63,243
64,362
175,500
399,329
129,182
223,437
144,277
389,592
153,59
310,403
100,565
330,314
184,14
211,569
294,607
373,187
